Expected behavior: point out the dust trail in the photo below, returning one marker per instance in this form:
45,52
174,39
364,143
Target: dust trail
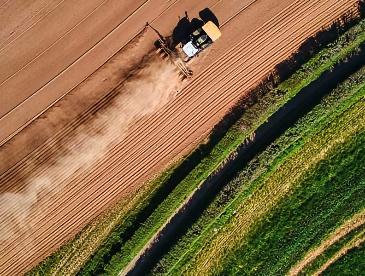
144,93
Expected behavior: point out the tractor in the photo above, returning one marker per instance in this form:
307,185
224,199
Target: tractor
201,39
198,40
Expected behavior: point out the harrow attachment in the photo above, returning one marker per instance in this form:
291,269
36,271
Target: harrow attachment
167,54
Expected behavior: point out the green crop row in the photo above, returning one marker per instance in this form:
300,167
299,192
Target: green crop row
253,118
331,251
331,106
351,264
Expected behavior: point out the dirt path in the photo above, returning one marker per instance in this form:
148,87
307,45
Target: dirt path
255,38
353,223
356,242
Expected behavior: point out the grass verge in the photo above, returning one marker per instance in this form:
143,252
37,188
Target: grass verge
352,264
318,206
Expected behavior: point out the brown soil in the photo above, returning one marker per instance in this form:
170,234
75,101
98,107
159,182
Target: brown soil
86,137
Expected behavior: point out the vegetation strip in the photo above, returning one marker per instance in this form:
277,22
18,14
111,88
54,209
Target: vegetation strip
353,263
341,235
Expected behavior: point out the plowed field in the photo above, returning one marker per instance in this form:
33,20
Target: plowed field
58,169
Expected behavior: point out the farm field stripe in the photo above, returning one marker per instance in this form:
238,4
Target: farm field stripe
4,3
200,80
356,242
59,75
41,147
11,39
40,90
187,99
353,223
9,76
59,40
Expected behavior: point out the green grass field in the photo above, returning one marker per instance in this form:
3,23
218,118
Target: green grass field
351,264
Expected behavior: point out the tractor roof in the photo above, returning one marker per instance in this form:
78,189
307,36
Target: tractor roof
212,30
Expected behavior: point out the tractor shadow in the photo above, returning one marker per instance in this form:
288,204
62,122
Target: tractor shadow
207,15
185,26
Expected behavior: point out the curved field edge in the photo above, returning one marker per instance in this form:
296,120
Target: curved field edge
352,263
257,115
104,231
215,215
318,255
249,213
335,252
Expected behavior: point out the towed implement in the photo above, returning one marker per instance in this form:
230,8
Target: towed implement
199,40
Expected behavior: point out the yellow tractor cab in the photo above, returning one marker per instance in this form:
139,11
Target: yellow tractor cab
201,39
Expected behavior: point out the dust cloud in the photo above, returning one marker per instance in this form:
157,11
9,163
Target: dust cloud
145,92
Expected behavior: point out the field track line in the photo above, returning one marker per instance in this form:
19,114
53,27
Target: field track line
5,2
55,42
238,12
354,243
354,222
6,43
